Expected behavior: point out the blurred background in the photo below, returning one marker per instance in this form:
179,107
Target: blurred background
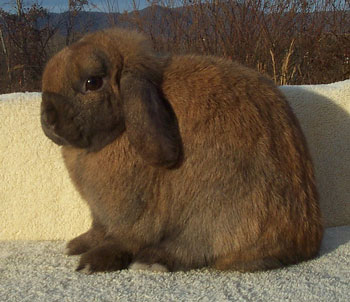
293,41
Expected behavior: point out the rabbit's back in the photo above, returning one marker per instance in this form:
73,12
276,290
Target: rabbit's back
246,170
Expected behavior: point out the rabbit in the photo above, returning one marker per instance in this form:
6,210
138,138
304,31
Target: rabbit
185,161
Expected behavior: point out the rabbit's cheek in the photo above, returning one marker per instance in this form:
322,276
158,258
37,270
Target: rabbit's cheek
72,135
101,121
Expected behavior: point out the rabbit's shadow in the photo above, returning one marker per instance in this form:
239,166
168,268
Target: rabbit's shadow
326,126
334,238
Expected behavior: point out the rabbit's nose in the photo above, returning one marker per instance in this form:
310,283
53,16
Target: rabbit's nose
49,114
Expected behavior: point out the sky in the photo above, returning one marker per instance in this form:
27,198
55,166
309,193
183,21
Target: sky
100,5
61,5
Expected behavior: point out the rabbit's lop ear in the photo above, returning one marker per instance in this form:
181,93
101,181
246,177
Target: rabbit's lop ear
151,124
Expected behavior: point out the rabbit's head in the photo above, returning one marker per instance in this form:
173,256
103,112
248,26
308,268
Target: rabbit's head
106,85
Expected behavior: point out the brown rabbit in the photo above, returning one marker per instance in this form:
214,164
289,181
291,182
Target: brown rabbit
185,161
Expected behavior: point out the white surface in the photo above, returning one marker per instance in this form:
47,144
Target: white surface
324,115
38,201
38,271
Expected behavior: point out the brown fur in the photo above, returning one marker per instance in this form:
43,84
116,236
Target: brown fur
186,161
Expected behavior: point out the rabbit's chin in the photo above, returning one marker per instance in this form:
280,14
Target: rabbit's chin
76,141
54,137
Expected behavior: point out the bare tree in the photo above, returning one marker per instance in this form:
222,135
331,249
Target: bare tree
6,54
74,8
111,8
25,43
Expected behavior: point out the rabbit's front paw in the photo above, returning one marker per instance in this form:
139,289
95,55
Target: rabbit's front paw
77,246
103,258
85,242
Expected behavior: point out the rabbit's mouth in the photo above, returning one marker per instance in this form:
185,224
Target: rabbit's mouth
65,124
60,123
76,140
53,136
61,136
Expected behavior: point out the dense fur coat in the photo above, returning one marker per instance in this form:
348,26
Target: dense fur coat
185,161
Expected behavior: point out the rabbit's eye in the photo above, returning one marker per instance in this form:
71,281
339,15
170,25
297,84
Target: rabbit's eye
93,83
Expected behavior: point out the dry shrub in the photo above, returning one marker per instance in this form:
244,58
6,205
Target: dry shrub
24,46
295,42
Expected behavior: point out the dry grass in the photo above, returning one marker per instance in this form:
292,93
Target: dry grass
293,41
